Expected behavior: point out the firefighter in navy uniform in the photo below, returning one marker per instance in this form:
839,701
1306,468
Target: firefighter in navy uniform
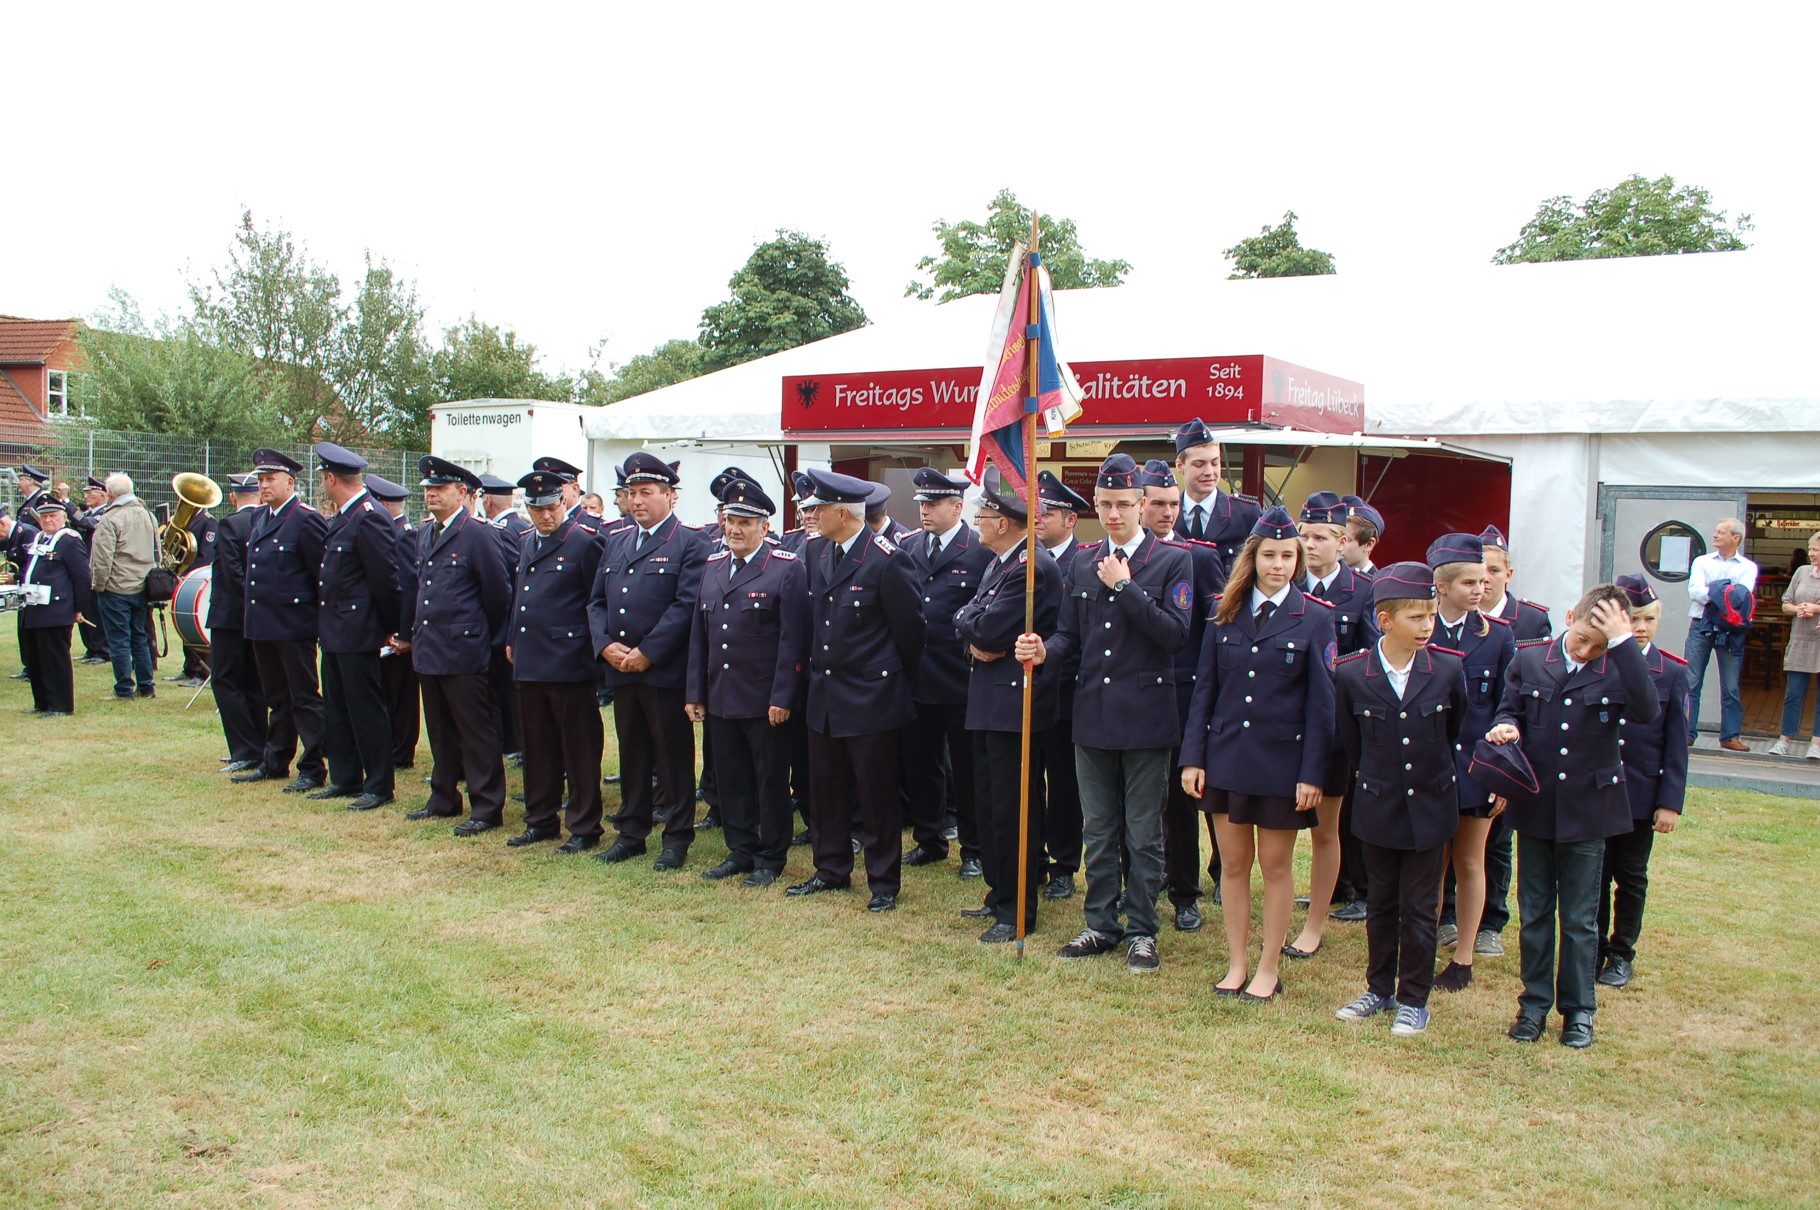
949,561
284,557
94,502
747,676
865,646
553,662
56,558
239,699
460,601
1209,512
358,590
1062,508
639,614
496,503
990,625
395,671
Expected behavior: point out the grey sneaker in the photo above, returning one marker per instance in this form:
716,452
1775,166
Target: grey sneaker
1368,1005
1140,956
1448,937
1487,943
1087,944
1410,1021
1779,748
1813,753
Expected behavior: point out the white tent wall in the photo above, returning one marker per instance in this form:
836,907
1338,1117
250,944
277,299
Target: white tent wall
1761,461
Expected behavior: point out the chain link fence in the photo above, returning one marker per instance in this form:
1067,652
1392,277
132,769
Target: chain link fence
70,453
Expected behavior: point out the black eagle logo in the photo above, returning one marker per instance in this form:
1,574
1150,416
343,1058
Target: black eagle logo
806,393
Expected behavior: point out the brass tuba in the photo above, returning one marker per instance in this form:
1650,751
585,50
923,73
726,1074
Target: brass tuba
195,493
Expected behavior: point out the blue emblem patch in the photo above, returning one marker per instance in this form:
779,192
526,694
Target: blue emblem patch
1333,650
1183,595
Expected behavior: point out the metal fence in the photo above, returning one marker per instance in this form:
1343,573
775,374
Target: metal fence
70,453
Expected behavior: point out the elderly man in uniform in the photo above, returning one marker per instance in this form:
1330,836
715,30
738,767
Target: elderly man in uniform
552,659
283,561
1209,512
358,589
1062,508
990,624
396,675
865,645
239,696
55,558
94,503
447,624
1126,609
639,614
748,653
949,562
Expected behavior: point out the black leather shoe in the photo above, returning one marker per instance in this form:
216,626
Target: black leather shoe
301,784
725,869
1251,999
814,886
239,766
970,868
332,791
611,779
759,878
1215,897
518,798
978,913
882,902
998,934
620,850
420,813
253,774
1188,919
1353,911
533,836
1576,1032
670,859
369,802
1059,887
800,839
709,821
1525,1028
474,827
578,844
1617,973
924,854
1300,955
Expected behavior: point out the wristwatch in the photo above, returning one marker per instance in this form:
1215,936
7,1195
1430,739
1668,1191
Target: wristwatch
1121,585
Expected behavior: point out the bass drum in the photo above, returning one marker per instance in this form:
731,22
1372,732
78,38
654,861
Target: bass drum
190,607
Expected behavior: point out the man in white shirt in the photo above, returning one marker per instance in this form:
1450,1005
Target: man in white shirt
1723,562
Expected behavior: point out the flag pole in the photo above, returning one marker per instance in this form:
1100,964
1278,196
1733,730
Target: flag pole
1033,384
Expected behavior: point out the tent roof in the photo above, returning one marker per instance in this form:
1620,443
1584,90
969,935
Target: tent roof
1709,343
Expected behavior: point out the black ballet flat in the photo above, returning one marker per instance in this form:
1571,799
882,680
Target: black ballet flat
1275,992
1290,951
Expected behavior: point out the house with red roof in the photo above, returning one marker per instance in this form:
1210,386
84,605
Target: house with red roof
38,357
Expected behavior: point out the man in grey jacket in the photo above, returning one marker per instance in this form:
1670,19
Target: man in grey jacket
125,549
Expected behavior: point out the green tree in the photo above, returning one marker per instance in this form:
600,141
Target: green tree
974,255
1636,218
1277,252
480,361
788,293
380,365
669,363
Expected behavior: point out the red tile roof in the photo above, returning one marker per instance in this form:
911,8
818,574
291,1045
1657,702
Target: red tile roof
32,341
15,409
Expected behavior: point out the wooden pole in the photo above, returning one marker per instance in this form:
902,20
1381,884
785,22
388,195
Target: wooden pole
1033,385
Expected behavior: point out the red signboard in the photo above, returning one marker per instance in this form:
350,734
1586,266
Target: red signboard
1124,394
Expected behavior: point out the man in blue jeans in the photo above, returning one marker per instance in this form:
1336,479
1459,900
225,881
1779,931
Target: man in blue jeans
1723,562
124,550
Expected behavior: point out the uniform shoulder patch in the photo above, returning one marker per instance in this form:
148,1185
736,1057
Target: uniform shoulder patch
1172,540
887,547
797,530
366,506
1499,621
686,525
1532,604
1350,656
781,553
1447,651
1023,557
1181,595
1534,643
1671,655
1322,601
1245,498
725,554
305,506
1202,542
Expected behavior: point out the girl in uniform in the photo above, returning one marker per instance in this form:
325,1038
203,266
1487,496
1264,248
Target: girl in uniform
1258,737
1485,647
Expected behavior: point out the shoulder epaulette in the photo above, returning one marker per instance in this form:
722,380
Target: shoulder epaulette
1532,604
1534,643
885,546
781,553
771,538
1351,655
305,505
686,525
725,554
1499,621
1671,655
366,506
1245,498
797,530
1199,542
1319,600
1446,650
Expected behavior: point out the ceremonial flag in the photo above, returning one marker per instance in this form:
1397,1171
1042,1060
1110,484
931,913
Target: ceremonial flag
1005,394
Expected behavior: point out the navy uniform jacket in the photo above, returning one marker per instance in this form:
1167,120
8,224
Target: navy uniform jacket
460,600
1067,673
992,621
1528,620
1355,621
1406,790
946,586
1209,581
1124,697
283,558
510,529
60,561
1570,734
227,587
1486,660
646,599
1229,524
1262,717
548,628
749,639
405,554
358,584
202,527
1655,754
865,636
792,540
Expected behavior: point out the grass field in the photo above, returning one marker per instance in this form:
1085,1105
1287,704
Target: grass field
214,995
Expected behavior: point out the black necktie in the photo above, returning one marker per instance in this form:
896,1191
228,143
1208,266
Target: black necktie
1320,591
435,532
1264,612
738,564
1197,529
935,544
640,544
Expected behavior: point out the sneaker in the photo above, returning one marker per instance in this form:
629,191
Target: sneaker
1813,749
1448,937
1487,943
1087,944
1140,956
1368,1005
1779,748
1410,1021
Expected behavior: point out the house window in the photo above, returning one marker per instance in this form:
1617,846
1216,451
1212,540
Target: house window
56,393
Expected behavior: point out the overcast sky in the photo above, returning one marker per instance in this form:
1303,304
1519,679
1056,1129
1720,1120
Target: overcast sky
586,176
